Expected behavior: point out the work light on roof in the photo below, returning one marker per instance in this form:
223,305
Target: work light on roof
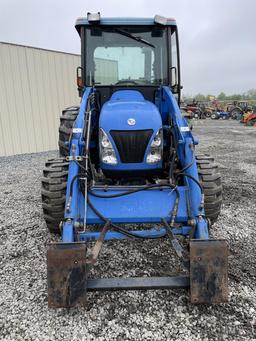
93,18
158,19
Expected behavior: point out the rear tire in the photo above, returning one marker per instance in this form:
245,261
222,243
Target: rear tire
67,120
236,113
53,191
210,180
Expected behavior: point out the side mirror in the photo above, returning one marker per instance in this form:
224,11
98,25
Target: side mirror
173,74
79,80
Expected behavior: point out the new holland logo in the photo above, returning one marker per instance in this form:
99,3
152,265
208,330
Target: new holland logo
131,121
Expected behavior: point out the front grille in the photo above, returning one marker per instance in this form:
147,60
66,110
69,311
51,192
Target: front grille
131,144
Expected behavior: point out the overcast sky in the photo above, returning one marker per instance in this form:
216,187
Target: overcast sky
217,37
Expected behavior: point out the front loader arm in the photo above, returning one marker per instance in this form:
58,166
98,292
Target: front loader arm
186,154
76,145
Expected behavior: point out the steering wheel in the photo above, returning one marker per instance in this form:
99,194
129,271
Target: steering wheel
126,81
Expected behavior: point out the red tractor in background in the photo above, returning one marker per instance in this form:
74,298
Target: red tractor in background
249,119
195,109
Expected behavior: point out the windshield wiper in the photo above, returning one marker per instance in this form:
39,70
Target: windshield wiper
129,35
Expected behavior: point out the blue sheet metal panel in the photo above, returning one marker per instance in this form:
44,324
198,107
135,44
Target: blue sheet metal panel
115,113
147,206
125,104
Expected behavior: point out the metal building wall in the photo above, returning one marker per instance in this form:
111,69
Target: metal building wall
35,85
106,71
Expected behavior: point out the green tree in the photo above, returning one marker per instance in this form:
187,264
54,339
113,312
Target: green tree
222,96
234,97
200,97
251,94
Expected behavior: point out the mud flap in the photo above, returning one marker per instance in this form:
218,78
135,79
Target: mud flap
66,274
208,271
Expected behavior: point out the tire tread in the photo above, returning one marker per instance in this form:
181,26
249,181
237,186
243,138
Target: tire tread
53,192
210,179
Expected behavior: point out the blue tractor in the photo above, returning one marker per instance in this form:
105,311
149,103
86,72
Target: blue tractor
224,115
127,156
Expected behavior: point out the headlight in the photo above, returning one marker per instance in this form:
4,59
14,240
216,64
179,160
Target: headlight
154,156
157,139
156,148
108,156
107,152
105,142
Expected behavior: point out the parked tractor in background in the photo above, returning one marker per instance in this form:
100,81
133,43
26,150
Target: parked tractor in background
195,109
216,115
127,156
249,119
208,110
238,108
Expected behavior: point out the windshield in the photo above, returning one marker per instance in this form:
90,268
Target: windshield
126,56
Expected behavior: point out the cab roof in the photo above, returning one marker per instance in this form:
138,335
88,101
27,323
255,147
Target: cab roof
125,21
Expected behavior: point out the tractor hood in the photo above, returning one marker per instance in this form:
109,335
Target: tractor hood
130,124
128,110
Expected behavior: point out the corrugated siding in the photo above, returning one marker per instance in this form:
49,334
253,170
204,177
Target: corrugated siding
35,85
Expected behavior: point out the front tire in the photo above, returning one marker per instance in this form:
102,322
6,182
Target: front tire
53,192
210,180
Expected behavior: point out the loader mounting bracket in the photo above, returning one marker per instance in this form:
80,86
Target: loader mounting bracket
208,271
68,268
67,274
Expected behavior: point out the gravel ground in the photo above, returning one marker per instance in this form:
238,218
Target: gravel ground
130,315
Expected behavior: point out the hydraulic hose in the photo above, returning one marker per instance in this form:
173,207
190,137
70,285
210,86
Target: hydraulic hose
198,184
186,167
118,228
74,178
192,178
172,165
134,191
174,188
176,204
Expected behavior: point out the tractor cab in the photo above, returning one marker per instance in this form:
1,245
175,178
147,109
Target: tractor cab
121,53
